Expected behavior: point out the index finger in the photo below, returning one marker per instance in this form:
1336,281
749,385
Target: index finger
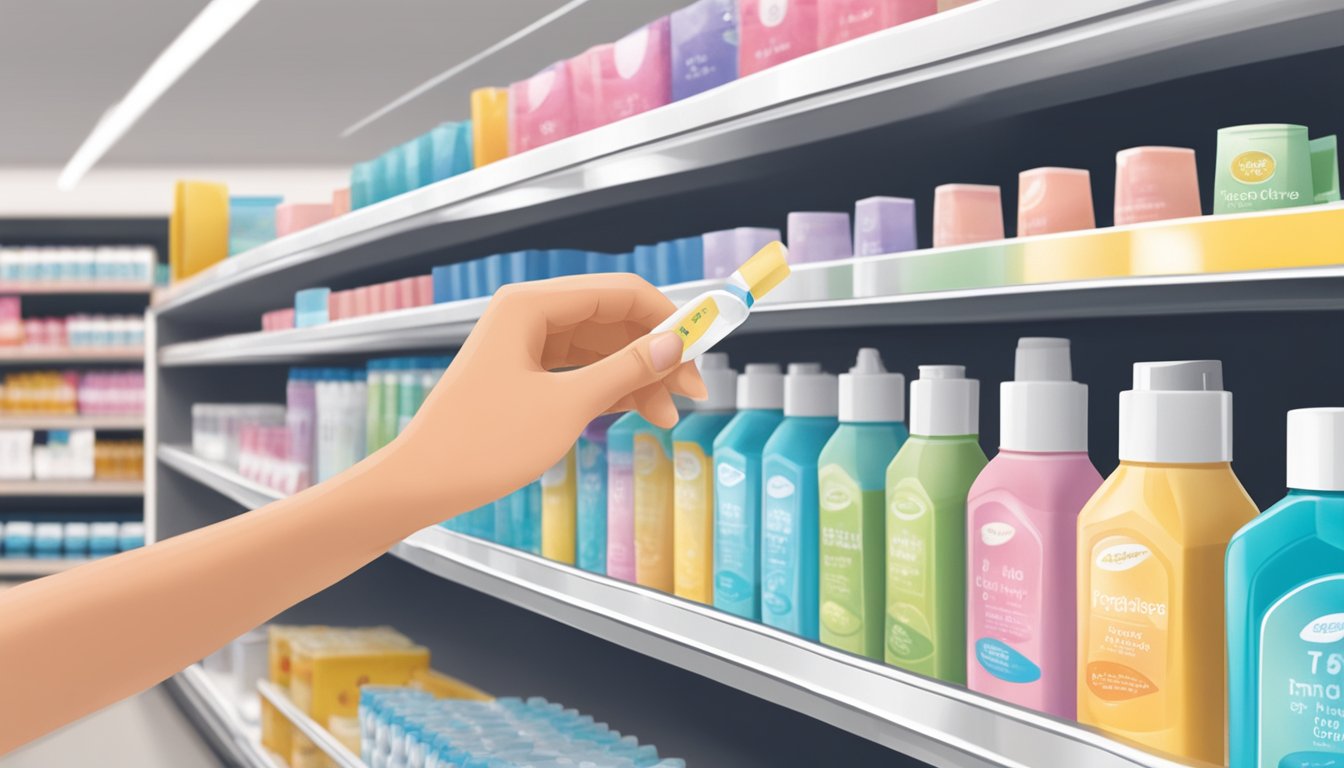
565,302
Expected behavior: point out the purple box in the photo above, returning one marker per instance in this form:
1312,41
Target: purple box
728,249
884,225
818,236
704,47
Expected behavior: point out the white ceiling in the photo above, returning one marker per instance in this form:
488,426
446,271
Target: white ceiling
282,85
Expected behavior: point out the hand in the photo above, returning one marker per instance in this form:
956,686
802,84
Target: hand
546,358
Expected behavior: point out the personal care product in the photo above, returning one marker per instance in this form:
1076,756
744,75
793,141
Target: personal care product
292,217
76,538
1021,534
966,213
541,109
559,514
1325,168
703,43
927,484
653,506
18,541
789,496
851,480
621,495
842,20
737,489
632,74
703,321
489,125
1265,167
693,467
47,540
251,222
1151,544
1051,200
819,236
591,461
726,250
884,225
310,307
773,32
1155,183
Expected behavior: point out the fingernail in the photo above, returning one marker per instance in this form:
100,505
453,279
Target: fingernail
665,352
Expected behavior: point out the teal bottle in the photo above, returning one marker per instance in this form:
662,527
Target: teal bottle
852,479
737,490
591,505
789,517
1285,610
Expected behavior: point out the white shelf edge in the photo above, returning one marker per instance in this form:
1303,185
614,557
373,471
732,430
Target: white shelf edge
39,421
218,713
76,288
30,567
72,488
971,47
321,737
871,700
59,355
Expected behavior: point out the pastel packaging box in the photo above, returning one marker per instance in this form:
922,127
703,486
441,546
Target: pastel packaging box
842,20
773,32
541,109
703,43
614,81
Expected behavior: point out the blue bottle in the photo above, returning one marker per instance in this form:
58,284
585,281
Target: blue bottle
1285,610
737,490
591,535
789,517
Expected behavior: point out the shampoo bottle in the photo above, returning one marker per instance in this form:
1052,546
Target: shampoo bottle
1022,527
591,554
1151,543
851,481
653,506
621,496
789,497
1285,610
737,490
559,513
693,463
927,484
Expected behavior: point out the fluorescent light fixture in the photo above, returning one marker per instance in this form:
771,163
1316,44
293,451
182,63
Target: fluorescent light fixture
212,23
456,70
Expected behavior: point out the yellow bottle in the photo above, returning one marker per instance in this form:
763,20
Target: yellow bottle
489,125
653,506
1151,542
693,461
559,510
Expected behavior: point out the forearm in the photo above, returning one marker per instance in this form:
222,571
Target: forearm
77,641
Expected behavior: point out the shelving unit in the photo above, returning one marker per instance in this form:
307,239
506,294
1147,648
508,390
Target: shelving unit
75,288
333,749
27,568
69,356
72,488
216,713
72,421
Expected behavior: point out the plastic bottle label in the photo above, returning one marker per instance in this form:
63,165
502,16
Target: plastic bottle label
909,626
696,321
844,615
736,550
1129,613
1006,565
779,553
653,513
693,529
1301,671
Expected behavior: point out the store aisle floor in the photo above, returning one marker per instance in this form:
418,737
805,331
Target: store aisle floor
145,731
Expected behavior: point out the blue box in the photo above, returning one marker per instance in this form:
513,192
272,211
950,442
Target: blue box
415,159
475,279
450,150
691,258
497,273
251,222
645,263
443,284
566,262
310,307
361,185
525,266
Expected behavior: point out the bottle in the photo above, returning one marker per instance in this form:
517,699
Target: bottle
703,321
789,500
693,486
1285,609
851,481
1021,536
559,513
1151,543
653,506
591,544
737,489
621,496
927,484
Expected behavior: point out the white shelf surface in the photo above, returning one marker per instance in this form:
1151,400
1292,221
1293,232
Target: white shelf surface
75,288
447,325
63,355
335,751
217,710
941,724
72,488
70,421
1006,55
31,568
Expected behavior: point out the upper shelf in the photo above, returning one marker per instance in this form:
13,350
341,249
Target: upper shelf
1025,53
63,355
72,488
940,724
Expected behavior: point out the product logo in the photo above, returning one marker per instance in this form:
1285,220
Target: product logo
687,466
730,476
779,487
772,12
1254,167
997,534
907,508
1326,629
629,53
836,498
1122,557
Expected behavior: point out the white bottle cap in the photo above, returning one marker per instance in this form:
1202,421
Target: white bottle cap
1316,449
1177,413
760,387
869,393
809,391
944,402
720,380
1043,410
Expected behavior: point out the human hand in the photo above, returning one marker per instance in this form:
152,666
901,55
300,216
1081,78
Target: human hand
546,358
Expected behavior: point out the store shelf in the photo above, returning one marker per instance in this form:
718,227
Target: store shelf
940,724
65,355
217,712
71,488
75,288
72,421
29,568
335,751
1006,56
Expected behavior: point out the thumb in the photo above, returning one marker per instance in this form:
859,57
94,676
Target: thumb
642,362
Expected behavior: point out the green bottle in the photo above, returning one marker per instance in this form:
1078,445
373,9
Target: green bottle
927,484
852,474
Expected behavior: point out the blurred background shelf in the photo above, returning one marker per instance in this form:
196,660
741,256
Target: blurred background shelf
67,356
71,488
75,288
335,751
206,700
27,567
71,421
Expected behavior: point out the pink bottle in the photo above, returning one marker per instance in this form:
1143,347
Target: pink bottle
842,20
1021,528
541,109
774,31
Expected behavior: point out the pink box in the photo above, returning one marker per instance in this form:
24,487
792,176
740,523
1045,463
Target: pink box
614,81
424,290
11,320
388,297
340,201
405,293
363,301
278,320
291,217
841,20
774,31
541,109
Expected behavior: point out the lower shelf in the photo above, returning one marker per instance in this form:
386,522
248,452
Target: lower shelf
335,751
208,702
943,725
91,488
29,568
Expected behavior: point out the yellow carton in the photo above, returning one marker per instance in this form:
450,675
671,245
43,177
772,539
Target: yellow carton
327,670
443,686
198,229
275,729
489,125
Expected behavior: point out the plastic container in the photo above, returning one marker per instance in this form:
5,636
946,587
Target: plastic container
1155,183
591,543
1051,200
884,225
966,213
654,499
559,510
693,486
726,250
621,495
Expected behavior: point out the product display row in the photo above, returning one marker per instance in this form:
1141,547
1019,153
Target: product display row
48,539
73,332
93,393
68,455
58,264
